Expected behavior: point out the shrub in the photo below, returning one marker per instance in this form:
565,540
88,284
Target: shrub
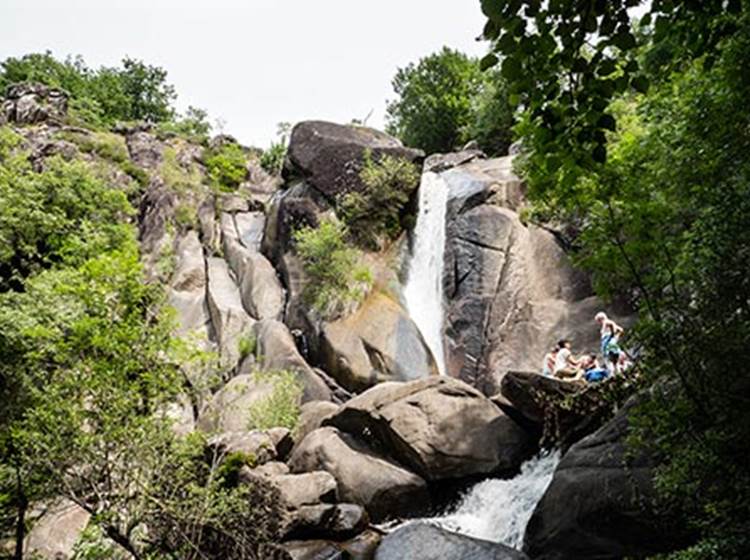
281,407
227,166
247,345
176,176
272,159
106,145
375,212
192,126
335,278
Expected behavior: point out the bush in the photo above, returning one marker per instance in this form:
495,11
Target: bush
376,212
336,280
63,215
106,145
176,176
272,159
227,166
281,407
192,126
247,345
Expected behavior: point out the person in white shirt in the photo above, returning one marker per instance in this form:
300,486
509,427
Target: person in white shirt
548,364
566,366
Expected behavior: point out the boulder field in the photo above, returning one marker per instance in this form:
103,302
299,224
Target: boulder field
379,434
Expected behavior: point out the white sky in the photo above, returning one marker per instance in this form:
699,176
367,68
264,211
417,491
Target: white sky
253,63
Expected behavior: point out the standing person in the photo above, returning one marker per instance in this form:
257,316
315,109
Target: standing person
610,333
548,364
566,366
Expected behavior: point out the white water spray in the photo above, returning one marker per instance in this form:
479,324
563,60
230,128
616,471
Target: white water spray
423,291
499,510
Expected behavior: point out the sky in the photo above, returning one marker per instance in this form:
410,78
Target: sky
254,63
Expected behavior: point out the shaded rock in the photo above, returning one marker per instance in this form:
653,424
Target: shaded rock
30,103
210,233
282,441
378,342
314,550
363,546
423,541
228,317
155,211
329,156
600,502
54,535
510,288
276,346
527,392
255,443
326,520
228,410
439,427
311,417
381,486
306,489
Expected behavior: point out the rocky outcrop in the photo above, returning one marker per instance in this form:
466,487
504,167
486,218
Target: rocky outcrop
438,427
228,410
510,288
257,444
311,417
600,503
425,541
228,316
329,156
381,486
56,532
379,342
30,103
277,351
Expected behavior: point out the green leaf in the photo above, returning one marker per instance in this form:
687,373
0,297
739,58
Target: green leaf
493,9
488,61
511,68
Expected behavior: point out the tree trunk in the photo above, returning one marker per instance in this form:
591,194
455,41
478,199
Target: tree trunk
21,508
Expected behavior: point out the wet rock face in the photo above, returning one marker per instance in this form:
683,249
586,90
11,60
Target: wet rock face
329,156
33,103
438,427
600,502
429,542
510,289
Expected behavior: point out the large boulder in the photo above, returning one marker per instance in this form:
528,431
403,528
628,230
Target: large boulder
439,427
381,486
311,417
330,156
511,290
277,351
228,410
379,342
600,503
424,541
55,533
30,103
187,289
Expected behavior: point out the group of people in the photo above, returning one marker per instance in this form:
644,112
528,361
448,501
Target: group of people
562,364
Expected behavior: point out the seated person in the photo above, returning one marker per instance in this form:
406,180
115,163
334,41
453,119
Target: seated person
548,364
592,371
566,366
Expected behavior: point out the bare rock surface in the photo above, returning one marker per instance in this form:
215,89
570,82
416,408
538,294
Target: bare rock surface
439,427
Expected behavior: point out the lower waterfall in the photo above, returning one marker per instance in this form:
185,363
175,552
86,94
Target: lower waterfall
423,291
499,510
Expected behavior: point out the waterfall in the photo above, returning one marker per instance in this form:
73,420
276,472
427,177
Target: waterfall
423,291
499,510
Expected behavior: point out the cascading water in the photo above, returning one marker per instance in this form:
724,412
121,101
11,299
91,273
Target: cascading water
499,510
423,291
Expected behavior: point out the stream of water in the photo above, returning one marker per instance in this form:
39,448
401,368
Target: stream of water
423,291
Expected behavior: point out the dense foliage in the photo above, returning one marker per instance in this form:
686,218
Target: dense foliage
226,166
82,415
337,280
638,138
101,97
444,101
375,213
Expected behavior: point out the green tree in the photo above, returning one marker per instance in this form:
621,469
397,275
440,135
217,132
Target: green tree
147,89
655,182
434,104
